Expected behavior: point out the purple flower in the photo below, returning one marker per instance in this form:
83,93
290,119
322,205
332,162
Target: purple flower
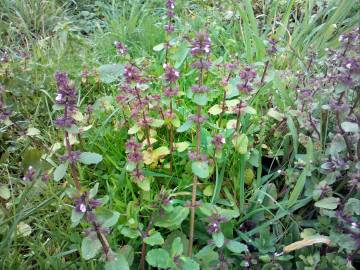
170,14
66,96
30,174
169,28
132,73
214,223
132,145
201,44
247,74
84,204
201,64
200,89
198,118
337,105
218,141
244,88
4,58
71,157
120,47
170,4
199,157
138,175
354,181
171,91
272,48
171,74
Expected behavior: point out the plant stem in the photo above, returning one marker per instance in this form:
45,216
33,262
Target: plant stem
195,182
264,73
143,245
171,131
74,172
103,240
192,216
144,118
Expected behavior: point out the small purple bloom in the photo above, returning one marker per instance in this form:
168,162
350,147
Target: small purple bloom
171,91
132,74
120,47
201,44
30,174
198,118
214,223
171,74
200,89
218,141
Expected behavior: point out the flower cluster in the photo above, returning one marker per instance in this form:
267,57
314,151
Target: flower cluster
196,118
271,50
135,158
200,89
171,74
199,157
120,48
71,157
170,6
214,223
247,75
29,174
218,141
201,44
85,204
66,97
132,74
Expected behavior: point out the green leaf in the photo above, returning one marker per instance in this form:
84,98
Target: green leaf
200,99
184,127
177,247
134,129
159,47
328,203
300,183
60,171
76,216
144,184
189,263
215,110
23,229
106,217
172,219
159,258
181,146
157,123
94,191
130,233
109,73
250,110
218,239
275,114
206,256
236,247
119,262
33,132
350,127
180,56
240,143
154,239
352,206
128,252
90,158
200,168
90,247
4,192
